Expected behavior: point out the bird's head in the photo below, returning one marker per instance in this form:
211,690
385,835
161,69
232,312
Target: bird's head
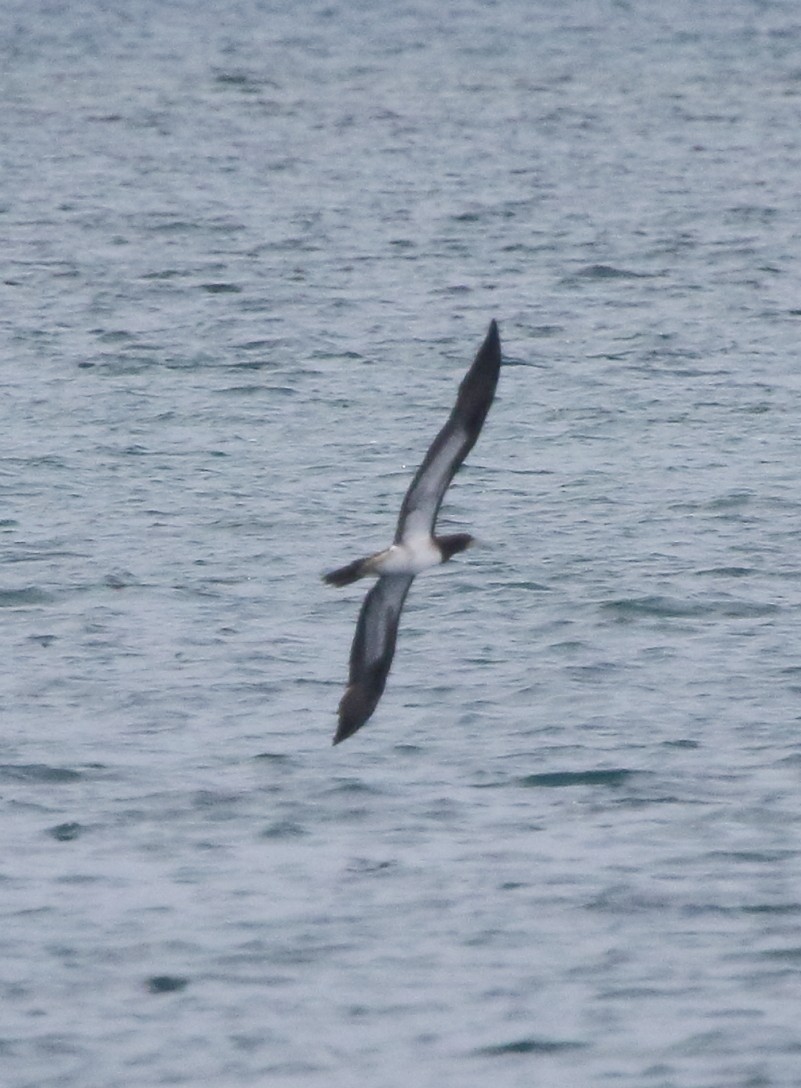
455,542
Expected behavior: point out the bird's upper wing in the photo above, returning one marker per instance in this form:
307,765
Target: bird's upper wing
453,443
372,652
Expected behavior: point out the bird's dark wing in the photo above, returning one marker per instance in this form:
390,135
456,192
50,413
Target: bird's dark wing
372,652
453,443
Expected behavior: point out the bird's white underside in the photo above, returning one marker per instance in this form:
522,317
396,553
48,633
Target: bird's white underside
413,556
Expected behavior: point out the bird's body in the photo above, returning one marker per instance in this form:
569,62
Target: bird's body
415,548
411,556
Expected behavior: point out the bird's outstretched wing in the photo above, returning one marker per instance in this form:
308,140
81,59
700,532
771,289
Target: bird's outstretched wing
372,652
453,443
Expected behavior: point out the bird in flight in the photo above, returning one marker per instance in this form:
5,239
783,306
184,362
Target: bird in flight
415,547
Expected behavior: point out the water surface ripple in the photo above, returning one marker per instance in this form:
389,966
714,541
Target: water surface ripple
249,249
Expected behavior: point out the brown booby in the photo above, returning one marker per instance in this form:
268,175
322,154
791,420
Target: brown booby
415,547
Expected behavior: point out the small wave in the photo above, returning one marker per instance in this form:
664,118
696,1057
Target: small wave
222,288
65,832
166,984
13,598
604,272
673,608
37,772
613,777
284,829
275,757
726,572
529,1046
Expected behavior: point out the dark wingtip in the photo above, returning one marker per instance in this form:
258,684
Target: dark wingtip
355,707
491,348
489,354
343,576
345,729
493,333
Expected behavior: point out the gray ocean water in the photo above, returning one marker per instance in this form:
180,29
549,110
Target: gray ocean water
248,250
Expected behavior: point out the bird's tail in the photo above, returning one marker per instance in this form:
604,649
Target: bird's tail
343,576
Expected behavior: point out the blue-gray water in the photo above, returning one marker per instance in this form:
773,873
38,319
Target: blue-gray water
248,250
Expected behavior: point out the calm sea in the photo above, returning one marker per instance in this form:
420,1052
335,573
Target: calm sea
248,250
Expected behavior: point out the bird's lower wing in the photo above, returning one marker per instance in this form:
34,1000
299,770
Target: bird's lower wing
372,652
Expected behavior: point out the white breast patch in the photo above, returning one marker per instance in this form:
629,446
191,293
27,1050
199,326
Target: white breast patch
414,555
